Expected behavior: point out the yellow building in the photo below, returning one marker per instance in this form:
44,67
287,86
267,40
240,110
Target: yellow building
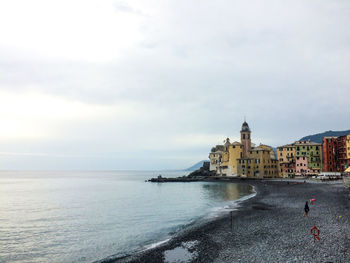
243,159
286,153
232,153
268,148
286,158
258,164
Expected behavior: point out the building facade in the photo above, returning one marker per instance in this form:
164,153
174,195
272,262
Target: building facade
336,153
341,153
286,158
258,164
348,147
302,166
215,157
329,158
313,152
231,154
243,158
246,138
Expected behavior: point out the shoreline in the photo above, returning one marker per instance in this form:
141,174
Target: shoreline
220,212
268,227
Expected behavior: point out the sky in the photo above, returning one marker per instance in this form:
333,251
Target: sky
144,85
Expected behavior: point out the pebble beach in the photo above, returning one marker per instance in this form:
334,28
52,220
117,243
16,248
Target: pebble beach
270,227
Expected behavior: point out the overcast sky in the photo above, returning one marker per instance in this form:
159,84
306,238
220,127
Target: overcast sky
92,84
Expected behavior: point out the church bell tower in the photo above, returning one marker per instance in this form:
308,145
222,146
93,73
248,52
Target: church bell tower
245,139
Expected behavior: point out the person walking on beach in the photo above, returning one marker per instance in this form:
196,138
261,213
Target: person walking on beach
306,209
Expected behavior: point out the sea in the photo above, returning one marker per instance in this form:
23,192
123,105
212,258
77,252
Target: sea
91,216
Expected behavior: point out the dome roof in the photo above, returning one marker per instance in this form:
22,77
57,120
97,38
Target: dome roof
245,126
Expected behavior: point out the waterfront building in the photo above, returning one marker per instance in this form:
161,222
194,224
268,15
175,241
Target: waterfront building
329,157
336,151
268,148
258,164
302,166
286,158
245,138
313,152
341,153
232,152
215,157
348,146
285,153
243,158
287,169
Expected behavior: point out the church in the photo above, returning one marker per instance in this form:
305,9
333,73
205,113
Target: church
243,159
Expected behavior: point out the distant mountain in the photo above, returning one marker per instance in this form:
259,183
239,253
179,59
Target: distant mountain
319,136
196,166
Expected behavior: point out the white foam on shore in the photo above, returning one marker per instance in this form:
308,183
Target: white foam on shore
233,206
214,213
156,244
244,198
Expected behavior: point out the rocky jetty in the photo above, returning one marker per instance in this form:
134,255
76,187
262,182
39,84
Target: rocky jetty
201,174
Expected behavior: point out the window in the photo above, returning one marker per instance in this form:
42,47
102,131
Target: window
243,136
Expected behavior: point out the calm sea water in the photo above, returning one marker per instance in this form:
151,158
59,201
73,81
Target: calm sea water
88,216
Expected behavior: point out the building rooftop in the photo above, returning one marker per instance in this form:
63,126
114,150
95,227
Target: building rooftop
306,143
245,127
286,145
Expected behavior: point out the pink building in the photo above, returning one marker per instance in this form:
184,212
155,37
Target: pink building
301,167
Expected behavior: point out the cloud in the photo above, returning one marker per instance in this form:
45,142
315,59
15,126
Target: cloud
149,78
124,7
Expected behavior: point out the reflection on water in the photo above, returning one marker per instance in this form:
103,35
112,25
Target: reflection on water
227,191
86,216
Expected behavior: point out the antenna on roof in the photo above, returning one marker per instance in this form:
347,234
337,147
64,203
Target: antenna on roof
244,119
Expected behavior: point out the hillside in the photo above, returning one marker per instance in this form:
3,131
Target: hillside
319,136
196,166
